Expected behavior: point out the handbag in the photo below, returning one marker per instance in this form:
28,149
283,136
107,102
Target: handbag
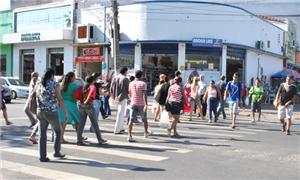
276,103
168,106
78,93
164,119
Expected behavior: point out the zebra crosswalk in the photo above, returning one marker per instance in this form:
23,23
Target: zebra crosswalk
118,155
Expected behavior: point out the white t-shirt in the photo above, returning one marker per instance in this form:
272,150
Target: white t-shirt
202,88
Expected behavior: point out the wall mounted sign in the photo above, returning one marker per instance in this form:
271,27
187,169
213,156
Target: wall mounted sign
91,51
207,42
31,37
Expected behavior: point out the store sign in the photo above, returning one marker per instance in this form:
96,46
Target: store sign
30,37
91,51
207,42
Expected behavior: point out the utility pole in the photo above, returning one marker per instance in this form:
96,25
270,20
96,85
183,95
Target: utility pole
115,34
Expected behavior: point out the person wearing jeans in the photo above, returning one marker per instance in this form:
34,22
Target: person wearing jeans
119,91
212,93
48,97
86,108
222,86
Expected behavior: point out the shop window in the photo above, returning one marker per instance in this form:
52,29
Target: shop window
3,64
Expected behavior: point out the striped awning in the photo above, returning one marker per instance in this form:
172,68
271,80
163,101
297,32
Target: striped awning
80,59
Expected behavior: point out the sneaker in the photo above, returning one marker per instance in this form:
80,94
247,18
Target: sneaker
258,120
147,134
103,141
210,121
129,139
253,121
81,144
288,132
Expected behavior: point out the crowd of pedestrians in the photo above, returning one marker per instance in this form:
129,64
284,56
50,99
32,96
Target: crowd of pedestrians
70,103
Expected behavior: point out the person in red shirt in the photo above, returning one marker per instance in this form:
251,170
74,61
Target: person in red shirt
86,108
138,94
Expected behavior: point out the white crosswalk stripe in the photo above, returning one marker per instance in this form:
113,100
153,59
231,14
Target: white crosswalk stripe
139,145
42,172
72,159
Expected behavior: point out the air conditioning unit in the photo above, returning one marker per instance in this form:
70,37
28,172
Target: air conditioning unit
85,33
259,44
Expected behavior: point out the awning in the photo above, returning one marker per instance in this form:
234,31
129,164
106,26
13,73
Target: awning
80,59
284,73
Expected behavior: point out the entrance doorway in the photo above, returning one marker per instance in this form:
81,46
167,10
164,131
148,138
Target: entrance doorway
27,65
56,60
235,65
154,65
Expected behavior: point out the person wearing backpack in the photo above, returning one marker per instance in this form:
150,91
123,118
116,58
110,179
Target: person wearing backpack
234,90
156,96
286,97
86,108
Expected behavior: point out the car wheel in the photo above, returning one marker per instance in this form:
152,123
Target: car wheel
14,95
7,100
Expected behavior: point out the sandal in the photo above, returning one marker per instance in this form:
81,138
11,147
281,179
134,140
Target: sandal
9,123
33,140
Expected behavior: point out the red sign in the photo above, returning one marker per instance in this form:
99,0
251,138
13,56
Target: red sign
80,59
91,51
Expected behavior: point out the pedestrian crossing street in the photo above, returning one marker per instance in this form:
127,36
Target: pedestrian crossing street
118,155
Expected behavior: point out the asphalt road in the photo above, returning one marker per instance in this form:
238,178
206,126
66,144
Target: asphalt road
204,151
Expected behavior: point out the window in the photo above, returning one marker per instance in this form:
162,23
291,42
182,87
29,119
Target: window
268,44
50,18
3,64
203,62
16,82
82,32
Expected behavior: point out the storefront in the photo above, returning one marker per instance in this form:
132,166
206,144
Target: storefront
38,51
90,59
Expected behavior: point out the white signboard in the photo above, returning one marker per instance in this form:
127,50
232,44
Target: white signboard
5,5
208,75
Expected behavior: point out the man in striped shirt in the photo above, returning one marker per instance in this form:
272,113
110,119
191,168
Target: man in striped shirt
138,94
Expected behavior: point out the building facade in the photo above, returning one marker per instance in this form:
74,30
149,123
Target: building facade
42,38
6,55
211,38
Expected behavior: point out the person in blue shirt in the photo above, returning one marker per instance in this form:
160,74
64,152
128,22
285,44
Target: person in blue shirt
234,90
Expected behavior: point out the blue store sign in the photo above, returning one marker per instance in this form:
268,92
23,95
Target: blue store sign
207,42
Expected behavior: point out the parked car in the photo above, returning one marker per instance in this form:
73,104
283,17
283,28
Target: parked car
17,87
7,96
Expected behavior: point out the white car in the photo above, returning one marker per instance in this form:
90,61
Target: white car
17,87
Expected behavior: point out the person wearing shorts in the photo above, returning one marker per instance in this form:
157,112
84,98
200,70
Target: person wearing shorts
233,89
138,95
286,96
257,93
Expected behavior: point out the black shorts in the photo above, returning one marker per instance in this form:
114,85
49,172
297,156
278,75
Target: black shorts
3,104
175,108
256,107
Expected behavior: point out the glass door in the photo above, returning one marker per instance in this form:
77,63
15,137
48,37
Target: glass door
27,64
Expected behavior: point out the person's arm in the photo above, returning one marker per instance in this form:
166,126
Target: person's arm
251,90
92,91
145,98
278,92
205,95
129,89
219,93
183,95
0,96
60,101
226,91
112,88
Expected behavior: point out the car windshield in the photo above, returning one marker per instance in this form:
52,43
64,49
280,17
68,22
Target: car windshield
16,82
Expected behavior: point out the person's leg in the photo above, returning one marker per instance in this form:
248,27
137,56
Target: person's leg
289,115
209,107
214,109
52,118
119,126
192,108
176,119
107,106
223,109
101,108
34,132
281,116
200,111
259,112
5,116
29,113
63,127
157,112
83,116
43,125
96,105
92,117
